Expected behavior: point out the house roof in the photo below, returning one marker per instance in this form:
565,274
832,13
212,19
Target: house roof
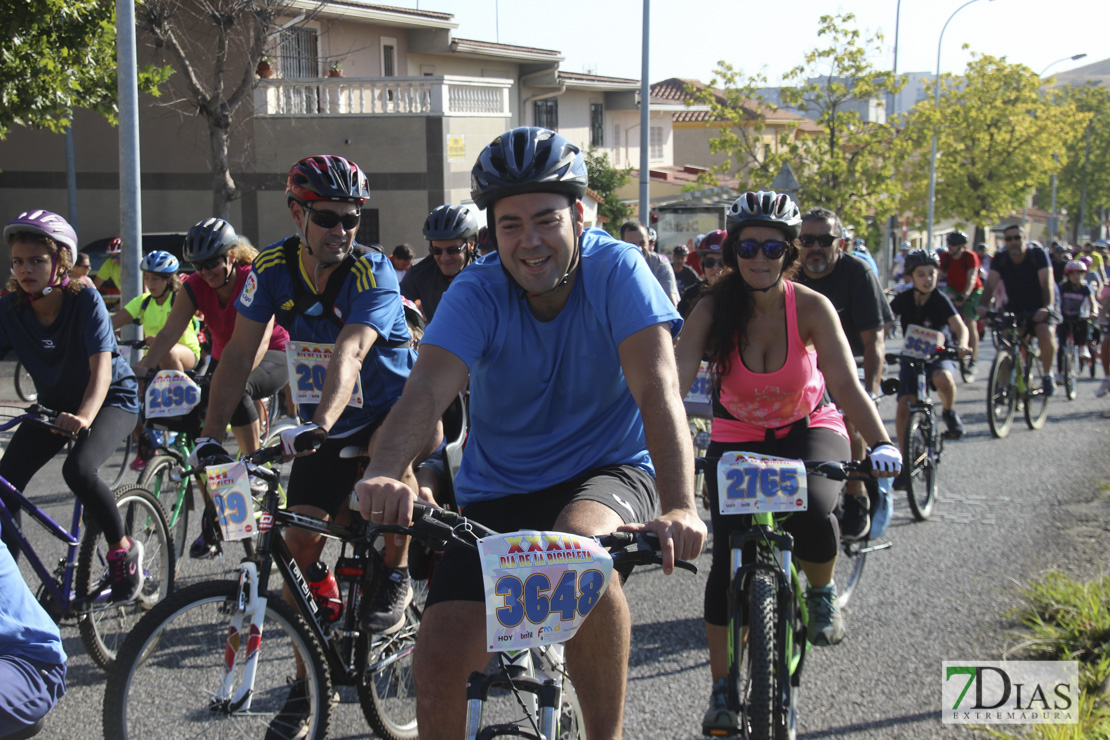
673,90
503,51
684,175
387,14
597,82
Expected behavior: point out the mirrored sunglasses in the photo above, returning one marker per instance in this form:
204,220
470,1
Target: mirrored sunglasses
772,248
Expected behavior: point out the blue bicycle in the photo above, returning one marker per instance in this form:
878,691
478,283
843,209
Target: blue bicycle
78,587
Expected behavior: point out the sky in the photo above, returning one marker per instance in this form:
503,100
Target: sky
688,37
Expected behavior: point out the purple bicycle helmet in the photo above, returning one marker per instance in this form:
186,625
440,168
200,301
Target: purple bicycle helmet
44,223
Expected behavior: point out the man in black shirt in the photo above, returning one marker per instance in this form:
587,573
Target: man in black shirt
1027,274
853,288
684,275
451,231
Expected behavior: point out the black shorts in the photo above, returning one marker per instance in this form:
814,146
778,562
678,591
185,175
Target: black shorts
325,480
625,489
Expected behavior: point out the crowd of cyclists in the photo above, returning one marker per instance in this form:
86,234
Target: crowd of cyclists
572,347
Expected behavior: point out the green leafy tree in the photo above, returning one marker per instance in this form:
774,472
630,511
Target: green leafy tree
1086,159
60,55
997,131
605,179
215,46
847,165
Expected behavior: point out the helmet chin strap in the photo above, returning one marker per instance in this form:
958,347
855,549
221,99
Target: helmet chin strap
32,297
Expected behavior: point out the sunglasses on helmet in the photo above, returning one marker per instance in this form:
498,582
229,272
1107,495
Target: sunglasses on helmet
329,219
824,240
437,251
772,248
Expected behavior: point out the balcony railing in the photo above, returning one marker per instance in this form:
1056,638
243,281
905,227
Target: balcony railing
474,97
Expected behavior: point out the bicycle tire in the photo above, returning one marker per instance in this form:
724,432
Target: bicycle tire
388,696
1070,361
848,570
162,684
176,497
118,471
921,480
105,626
25,384
1036,402
756,678
1001,395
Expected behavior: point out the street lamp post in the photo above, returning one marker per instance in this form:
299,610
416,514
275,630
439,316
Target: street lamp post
1055,157
936,105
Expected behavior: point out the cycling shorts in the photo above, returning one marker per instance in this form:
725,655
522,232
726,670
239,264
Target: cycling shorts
627,490
325,480
967,309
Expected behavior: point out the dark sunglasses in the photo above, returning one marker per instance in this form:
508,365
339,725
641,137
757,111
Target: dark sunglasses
824,240
711,262
211,264
772,248
1012,238
329,219
437,251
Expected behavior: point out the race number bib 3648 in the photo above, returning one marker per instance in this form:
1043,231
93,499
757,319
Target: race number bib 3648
308,367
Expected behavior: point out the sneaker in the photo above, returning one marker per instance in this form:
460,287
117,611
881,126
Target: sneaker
719,719
292,720
884,512
1084,353
972,366
1048,384
125,571
386,612
826,625
138,464
901,481
1103,389
954,424
854,520
208,544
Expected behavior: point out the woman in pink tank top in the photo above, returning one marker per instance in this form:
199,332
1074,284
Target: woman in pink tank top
763,335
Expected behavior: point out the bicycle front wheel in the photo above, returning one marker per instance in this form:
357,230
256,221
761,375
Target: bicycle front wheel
755,678
1071,370
164,478
1001,394
25,384
1036,402
106,624
165,681
921,488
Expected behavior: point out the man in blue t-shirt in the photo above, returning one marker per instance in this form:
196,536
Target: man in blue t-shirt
350,353
565,336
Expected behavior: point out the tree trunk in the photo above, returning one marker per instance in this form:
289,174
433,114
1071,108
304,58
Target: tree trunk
224,189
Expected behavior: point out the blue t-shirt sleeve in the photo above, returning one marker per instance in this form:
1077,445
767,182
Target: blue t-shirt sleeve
463,320
374,296
634,298
255,300
99,336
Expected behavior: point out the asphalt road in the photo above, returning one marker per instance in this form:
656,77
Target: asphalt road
1008,510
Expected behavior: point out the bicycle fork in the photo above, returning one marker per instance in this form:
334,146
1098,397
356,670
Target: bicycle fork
517,674
234,695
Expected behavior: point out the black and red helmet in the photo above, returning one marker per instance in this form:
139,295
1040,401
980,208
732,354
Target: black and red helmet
327,177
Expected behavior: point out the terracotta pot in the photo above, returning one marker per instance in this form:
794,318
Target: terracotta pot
335,73
264,70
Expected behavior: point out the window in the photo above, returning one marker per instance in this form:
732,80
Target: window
298,54
655,143
368,227
389,57
597,125
547,113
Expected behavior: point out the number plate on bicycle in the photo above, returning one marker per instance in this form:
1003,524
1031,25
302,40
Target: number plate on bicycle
230,487
757,484
922,343
308,366
172,393
540,586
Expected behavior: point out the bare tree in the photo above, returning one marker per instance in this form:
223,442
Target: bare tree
216,46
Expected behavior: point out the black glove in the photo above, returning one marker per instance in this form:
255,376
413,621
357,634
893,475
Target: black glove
209,452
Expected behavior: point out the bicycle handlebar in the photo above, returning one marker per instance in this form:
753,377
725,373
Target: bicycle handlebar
942,353
39,414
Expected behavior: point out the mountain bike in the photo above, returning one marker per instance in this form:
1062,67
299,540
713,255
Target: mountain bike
78,586
1014,376
767,650
234,645
922,436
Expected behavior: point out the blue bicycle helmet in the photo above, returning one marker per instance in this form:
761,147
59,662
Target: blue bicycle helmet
450,222
527,160
160,262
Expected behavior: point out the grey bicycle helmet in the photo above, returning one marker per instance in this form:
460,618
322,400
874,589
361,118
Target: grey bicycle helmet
160,262
44,223
210,238
450,222
919,257
527,160
766,208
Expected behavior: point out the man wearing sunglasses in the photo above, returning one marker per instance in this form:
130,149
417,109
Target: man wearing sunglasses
1026,273
451,232
854,290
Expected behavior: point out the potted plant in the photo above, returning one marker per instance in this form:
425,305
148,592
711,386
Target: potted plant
264,69
336,70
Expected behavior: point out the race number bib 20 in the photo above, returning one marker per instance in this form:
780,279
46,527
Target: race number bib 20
172,393
308,367
756,484
230,487
922,343
540,586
